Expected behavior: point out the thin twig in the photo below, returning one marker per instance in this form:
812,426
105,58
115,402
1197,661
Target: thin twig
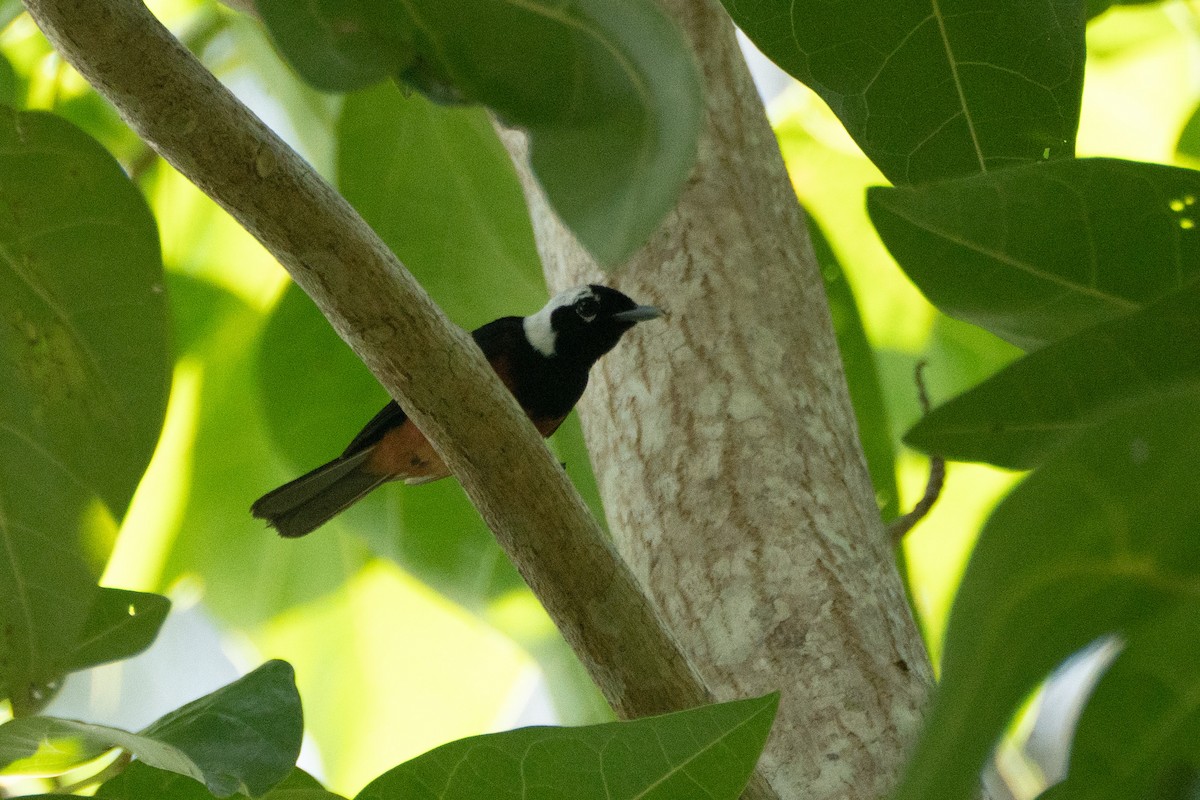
900,526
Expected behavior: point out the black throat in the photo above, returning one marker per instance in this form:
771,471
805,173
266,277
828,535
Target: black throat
547,387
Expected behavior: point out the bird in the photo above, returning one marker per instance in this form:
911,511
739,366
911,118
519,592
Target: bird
543,359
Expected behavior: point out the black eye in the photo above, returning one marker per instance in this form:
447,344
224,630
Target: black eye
587,308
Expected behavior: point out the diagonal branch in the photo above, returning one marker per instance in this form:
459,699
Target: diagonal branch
424,361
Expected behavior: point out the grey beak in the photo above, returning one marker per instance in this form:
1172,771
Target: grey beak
639,314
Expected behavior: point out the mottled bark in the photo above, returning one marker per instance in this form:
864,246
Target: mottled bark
729,463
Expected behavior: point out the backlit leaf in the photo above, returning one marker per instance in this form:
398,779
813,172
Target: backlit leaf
437,186
46,746
248,574
1097,7
1189,138
85,368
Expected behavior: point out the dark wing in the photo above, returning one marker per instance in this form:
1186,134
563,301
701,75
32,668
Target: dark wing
493,339
503,336
500,342
390,416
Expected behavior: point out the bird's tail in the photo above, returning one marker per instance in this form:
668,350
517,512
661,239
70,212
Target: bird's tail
305,504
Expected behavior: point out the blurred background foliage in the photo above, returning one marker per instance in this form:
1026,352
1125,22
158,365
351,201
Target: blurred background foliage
405,624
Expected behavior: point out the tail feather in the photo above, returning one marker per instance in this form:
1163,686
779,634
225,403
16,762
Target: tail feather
305,504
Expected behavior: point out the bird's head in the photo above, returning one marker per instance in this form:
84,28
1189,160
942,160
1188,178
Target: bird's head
584,323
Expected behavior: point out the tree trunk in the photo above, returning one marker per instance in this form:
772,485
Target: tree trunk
728,457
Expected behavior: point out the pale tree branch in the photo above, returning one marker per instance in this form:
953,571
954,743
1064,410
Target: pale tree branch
729,462
424,361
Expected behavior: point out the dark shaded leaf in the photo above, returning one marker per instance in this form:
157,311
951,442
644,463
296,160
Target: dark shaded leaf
1024,412
85,368
332,45
10,85
1139,731
708,751
1104,535
140,781
120,624
243,737
1037,253
930,89
606,89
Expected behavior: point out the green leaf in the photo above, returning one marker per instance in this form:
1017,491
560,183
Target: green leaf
118,625
1105,534
248,574
121,624
333,45
1037,253
606,89
438,187
1021,414
85,368
862,375
243,737
1141,723
46,746
140,781
934,89
10,84
707,751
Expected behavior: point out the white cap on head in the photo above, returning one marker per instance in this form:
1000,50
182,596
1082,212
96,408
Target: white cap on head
538,328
